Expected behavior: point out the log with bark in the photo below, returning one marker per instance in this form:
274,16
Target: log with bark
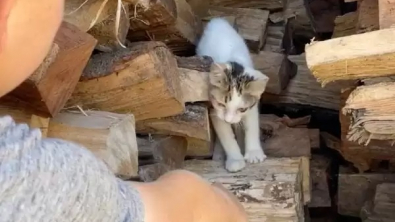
270,191
346,59
143,80
48,89
251,24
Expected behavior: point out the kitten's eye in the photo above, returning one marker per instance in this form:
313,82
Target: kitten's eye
242,110
221,105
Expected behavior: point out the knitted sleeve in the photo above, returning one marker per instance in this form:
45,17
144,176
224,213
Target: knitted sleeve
51,180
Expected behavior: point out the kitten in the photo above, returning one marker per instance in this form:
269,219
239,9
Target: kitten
235,90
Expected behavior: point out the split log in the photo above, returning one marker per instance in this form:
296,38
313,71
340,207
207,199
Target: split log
370,109
387,14
368,16
251,24
85,14
48,92
169,153
110,136
181,32
279,38
108,37
272,5
320,188
268,191
345,58
304,89
355,189
277,67
142,80
194,73
345,25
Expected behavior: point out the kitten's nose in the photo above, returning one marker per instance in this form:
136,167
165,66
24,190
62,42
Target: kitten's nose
229,118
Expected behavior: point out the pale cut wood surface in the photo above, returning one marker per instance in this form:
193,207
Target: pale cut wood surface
269,191
345,58
110,136
387,14
194,85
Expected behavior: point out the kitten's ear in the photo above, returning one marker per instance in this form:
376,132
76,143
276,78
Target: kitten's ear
257,87
217,74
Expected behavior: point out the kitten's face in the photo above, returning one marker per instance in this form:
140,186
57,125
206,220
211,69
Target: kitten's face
235,90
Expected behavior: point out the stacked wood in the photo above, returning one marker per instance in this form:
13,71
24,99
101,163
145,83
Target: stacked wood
368,19
381,207
279,38
272,5
250,23
270,191
319,166
386,14
48,89
142,80
345,25
355,189
169,21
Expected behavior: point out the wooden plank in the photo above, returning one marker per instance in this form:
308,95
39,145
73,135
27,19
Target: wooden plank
251,24
355,189
180,35
368,16
386,14
269,190
106,33
169,153
345,58
110,136
272,5
49,92
194,122
277,67
142,80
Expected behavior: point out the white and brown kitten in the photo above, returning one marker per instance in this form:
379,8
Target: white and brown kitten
235,90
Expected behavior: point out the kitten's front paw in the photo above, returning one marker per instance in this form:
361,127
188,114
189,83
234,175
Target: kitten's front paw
255,155
234,165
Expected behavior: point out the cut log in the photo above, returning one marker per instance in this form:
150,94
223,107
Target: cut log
272,5
194,73
279,38
142,80
85,14
268,191
106,33
387,14
180,34
169,153
320,189
199,148
110,136
368,16
251,24
194,122
304,89
345,25
49,92
277,67
345,58
370,109
355,189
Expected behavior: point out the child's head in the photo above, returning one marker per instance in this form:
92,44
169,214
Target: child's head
27,29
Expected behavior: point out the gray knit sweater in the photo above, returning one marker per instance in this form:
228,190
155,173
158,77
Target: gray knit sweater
51,180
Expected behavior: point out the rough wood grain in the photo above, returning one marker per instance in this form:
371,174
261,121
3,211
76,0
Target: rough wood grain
277,67
368,16
269,191
199,148
345,58
271,5
110,39
49,93
194,122
169,153
251,24
355,189
180,35
345,25
387,14
381,207
110,136
279,38
142,80
304,89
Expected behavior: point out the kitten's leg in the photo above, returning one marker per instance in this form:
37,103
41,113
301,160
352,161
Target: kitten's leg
253,149
234,158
